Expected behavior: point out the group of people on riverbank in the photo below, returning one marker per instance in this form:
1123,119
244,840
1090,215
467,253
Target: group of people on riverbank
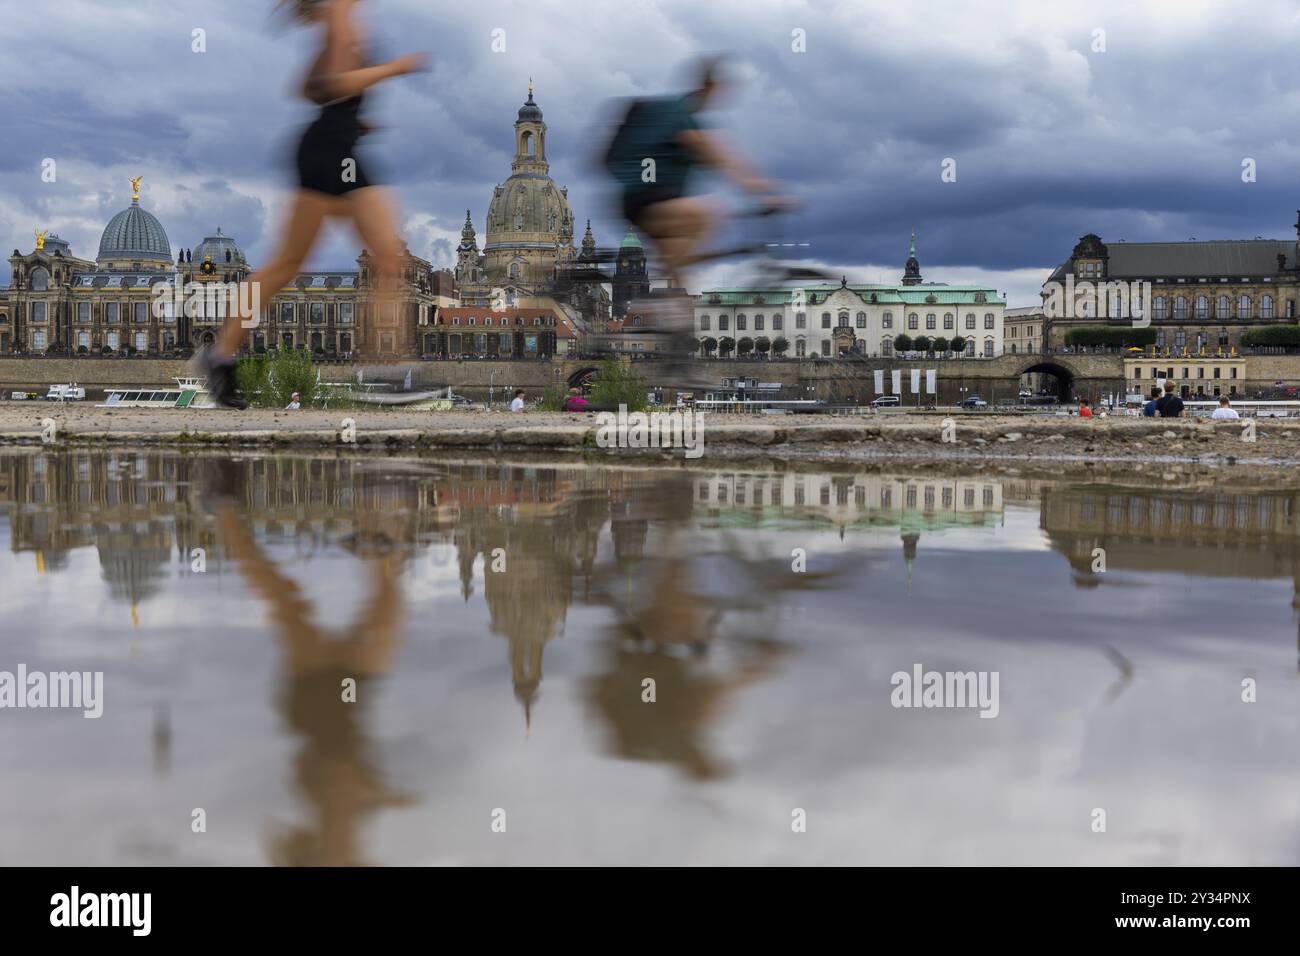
1167,404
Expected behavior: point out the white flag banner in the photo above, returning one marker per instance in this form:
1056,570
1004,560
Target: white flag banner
897,377
880,381
916,381
929,381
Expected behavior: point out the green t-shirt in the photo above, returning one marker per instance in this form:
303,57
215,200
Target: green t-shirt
651,131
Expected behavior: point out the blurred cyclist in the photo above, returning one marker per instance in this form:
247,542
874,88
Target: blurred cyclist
660,142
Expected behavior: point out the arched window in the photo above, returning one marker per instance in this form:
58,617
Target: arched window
930,320
514,266
1266,307
1202,308
842,319
704,323
948,321
1244,307
912,320
1161,308
826,320
862,320
887,346
800,347
988,348
741,324
887,320
970,320
1180,309
1225,307
40,280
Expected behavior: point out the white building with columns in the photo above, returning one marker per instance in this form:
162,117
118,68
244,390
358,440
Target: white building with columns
830,320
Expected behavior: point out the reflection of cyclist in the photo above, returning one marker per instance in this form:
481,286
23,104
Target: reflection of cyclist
668,131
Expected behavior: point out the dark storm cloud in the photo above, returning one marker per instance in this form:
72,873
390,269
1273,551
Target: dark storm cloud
1051,137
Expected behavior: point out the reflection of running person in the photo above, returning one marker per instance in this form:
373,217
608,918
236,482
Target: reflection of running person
332,180
335,770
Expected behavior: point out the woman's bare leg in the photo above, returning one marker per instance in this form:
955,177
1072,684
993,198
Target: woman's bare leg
375,218
305,219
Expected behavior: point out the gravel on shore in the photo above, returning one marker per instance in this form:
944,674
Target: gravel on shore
954,436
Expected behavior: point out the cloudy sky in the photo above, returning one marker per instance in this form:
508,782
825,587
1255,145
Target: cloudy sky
1131,120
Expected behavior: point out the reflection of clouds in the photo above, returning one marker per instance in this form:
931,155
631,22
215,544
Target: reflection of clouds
1186,772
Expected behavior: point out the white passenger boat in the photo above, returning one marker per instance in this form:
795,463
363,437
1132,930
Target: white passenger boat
186,393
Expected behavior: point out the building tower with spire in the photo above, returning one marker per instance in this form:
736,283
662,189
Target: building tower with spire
631,280
912,271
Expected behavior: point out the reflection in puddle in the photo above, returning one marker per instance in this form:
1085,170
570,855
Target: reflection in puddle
322,651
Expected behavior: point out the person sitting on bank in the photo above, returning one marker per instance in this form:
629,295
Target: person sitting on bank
575,402
1149,409
1170,406
1225,412
295,403
517,405
1084,410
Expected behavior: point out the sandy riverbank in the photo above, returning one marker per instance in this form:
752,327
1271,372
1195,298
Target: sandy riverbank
972,436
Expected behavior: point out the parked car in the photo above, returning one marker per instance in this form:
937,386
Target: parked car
973,401
886,401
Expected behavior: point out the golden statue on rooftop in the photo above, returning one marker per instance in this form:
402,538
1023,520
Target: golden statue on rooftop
135,188
40,239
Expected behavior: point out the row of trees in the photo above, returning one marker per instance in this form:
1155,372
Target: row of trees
937,345
780,345
762,345
1273,335
1114,337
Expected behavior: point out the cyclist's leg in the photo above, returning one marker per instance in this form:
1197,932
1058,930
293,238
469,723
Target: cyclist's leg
678,229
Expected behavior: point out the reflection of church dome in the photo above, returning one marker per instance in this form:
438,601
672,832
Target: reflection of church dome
133,569
217,246
134,234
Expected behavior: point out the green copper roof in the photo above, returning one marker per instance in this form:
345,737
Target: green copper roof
630,241
885,295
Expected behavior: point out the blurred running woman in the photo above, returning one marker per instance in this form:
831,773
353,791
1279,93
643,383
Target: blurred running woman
332,180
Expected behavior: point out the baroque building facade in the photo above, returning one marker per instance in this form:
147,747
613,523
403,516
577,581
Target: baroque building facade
852,318
529,240
60,303
1199,296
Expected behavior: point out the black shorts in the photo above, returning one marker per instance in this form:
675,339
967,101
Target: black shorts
636,201
322,153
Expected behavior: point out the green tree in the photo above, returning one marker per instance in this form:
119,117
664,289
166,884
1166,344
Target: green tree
710,345
921,343
957,345
780,345
726,346
1273,335
902,342
617,384
939,345
1103,335
745,346
762,345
